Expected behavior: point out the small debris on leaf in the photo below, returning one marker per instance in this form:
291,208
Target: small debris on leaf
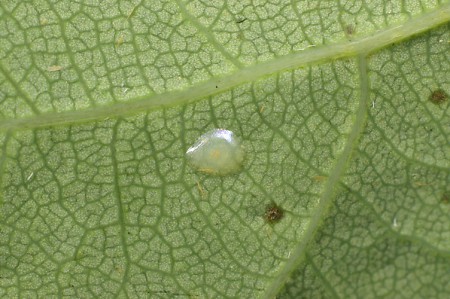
54,68
273,213
438,97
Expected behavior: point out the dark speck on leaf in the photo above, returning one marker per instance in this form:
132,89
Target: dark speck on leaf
438,97
273,213
445,198
350,29
241,20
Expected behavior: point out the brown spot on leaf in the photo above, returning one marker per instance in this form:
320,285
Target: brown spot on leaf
445,198
350,29
273,213
438,97
320,178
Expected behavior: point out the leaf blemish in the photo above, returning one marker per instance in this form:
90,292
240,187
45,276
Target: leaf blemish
438,97
201,190
273,213
262,108
350,29
445,198
43,21
119,40
54,68
319,178
30,176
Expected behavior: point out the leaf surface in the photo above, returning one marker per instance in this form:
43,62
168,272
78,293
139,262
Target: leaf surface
342,109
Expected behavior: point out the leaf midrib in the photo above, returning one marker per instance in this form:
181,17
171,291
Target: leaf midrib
310,55
298,254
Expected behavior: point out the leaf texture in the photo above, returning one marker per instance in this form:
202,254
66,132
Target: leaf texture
335,104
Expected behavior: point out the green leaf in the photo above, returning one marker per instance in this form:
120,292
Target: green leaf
343,113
